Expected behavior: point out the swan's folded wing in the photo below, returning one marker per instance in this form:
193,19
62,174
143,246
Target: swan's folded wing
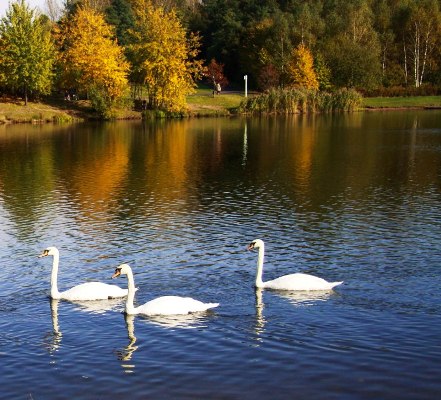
174,305
93,291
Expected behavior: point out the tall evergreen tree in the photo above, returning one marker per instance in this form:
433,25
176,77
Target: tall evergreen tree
120,15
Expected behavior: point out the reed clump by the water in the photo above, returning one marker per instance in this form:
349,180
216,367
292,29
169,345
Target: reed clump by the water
301,101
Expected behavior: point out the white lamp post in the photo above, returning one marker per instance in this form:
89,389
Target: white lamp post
246,86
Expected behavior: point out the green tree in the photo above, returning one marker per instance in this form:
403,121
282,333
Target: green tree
383,26
271,40
119,14
352,49
352,65
323,72
308,24
27,51
227,29
163,57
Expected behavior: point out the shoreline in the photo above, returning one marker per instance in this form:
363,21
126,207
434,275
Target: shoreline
15,112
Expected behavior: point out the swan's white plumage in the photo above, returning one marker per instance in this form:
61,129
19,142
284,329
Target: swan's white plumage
295,281
93,291
84,291
173,305
299,281
165,305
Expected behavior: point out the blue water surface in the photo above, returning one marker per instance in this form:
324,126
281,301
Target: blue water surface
353,198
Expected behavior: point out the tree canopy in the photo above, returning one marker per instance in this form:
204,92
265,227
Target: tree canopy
163,57
27,51
92,60
162,46
301,68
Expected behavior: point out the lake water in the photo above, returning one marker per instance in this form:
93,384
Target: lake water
344,197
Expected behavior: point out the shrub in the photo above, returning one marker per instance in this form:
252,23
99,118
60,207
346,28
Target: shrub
300,100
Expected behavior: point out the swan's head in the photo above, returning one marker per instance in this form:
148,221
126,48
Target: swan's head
123,269
255,244
50,251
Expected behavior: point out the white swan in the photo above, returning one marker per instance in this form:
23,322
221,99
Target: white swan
85,291
287,282
165,305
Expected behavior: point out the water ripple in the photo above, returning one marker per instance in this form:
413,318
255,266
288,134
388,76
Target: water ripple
180,202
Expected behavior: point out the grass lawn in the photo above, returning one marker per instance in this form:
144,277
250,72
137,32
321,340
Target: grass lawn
204,103
33,112
400,102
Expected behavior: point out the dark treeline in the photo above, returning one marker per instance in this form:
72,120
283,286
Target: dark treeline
376,46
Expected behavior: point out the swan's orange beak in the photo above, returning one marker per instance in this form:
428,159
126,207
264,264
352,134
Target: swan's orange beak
250,246
117,273
44,254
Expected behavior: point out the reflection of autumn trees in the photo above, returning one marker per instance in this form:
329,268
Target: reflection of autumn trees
27,173
123,170
174,158
98,167
317,159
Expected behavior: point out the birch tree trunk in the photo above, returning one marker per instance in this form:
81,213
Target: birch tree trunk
425,23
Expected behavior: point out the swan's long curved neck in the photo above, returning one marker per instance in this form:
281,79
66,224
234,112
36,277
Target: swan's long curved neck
259,282
130,309
55,294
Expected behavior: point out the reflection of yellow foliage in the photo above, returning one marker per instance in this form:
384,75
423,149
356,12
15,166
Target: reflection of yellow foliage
178,154
96,181
169,157
304,149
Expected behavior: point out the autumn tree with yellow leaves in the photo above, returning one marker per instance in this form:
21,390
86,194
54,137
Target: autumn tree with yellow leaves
301,68
91,60
163,57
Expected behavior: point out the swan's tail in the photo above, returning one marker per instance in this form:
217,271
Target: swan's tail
210,305
334,284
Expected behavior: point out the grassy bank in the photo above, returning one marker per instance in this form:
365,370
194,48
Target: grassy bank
53,110
202,103
402,102
34,112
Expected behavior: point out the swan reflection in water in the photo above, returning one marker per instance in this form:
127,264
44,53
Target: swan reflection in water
189,321
53,339
126,353
186,321
99,306
296,298
305,298
259,328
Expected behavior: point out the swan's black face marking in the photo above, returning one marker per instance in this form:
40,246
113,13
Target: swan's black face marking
44,254
251,246
117,273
